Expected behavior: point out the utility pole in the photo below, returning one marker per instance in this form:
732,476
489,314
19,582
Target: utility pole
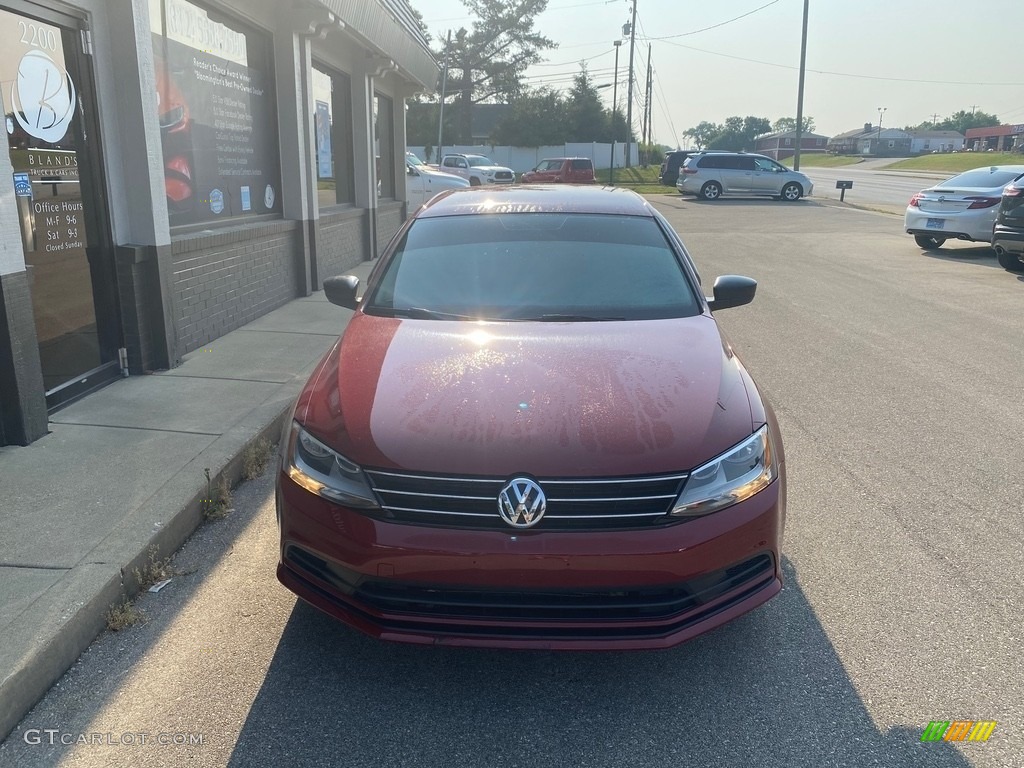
629,97
881,111
615,103
444,84
648,128
800,94
935,119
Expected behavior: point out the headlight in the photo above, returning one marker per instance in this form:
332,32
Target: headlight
325,472
736,475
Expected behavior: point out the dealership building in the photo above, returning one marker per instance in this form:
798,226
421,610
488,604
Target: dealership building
174,169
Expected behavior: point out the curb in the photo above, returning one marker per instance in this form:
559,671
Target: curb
78,602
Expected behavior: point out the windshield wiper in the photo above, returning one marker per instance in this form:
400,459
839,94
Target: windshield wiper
421,313
554,317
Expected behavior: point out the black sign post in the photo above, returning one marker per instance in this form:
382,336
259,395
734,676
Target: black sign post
843,185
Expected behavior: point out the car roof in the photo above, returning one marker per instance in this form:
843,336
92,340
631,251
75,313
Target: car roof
541,198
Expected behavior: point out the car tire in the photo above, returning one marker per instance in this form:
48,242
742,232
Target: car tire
474,182
792,192
929,242
711,191
1011,262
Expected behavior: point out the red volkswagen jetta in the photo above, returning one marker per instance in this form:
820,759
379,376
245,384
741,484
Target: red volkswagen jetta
532,434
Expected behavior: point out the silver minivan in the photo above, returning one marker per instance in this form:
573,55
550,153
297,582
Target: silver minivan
710,175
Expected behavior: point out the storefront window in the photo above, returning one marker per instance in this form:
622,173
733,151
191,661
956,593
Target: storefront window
217,123
384,144
332,118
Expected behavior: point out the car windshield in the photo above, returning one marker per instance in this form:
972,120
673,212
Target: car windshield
476,161
983,177
412,158
534,266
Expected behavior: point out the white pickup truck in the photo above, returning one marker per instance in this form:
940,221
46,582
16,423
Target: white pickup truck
477,169
422,182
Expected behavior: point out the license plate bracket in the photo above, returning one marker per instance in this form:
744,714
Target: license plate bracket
935,224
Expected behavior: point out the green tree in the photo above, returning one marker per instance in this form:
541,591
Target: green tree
586,117
486,63
534,119
421,124
738,133
703,133
963,120
786,124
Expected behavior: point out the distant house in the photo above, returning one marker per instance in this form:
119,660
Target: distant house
1000,138
782,144
925,142
871,140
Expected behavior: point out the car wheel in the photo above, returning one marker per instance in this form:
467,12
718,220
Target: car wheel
711,191
792,192
929,242
474,182
1011,262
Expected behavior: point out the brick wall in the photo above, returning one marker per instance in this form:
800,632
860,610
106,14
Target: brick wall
342,241
225,280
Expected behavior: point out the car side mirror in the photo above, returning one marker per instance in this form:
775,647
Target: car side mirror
341,290
411,171
732,291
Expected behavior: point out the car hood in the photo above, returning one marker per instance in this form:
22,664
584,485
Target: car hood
547,399
494,168
436,174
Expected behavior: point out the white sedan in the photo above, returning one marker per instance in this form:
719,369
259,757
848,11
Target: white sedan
423,182
961,208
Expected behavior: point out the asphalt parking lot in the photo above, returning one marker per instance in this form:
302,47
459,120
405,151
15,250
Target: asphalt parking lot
895,376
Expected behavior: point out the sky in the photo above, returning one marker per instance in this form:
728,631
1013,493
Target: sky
914,59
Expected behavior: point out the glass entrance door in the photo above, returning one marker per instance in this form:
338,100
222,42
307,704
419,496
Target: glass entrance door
48,110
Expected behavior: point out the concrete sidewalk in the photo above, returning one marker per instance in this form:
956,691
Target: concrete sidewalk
122,470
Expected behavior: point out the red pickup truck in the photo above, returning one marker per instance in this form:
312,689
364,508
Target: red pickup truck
561,170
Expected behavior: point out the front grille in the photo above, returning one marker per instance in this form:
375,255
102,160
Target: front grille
564,605
572,504
503,176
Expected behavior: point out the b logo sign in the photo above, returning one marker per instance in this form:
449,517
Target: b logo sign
43,97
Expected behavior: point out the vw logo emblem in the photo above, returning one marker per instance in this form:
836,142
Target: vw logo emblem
522,503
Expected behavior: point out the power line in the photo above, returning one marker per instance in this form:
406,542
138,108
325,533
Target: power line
553,8
716,26
842,74
662,101
576,61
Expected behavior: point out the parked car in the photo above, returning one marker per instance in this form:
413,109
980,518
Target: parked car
423,182
497,453
669,173
709,175
561,170
1008,235
477,169
961,208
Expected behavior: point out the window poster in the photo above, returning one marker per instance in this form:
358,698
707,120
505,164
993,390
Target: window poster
216,111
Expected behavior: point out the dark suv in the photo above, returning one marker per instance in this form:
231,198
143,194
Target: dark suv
1008,235
670,166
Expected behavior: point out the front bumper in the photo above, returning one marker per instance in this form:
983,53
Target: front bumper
568,590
